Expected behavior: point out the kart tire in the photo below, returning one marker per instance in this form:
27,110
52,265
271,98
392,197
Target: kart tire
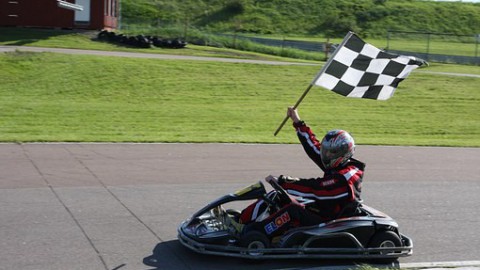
254,240
385,239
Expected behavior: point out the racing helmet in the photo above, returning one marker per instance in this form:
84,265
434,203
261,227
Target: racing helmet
337,148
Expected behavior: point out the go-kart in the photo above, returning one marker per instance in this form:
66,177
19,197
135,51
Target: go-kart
369,234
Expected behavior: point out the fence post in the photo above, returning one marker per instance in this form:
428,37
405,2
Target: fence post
235,39
477,37
388,40
476,60
428,46
327,48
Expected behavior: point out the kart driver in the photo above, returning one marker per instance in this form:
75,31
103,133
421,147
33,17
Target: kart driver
336,194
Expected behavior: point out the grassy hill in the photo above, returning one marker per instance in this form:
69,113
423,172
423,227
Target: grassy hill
331,18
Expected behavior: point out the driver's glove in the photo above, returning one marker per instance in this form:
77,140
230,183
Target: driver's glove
286,179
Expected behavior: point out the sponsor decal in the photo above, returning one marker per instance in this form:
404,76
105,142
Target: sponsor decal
328,182
277,223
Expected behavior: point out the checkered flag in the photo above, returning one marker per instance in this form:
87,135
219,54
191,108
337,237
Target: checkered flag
358,69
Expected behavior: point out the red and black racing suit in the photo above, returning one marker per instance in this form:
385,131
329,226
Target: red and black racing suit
335,194
338,188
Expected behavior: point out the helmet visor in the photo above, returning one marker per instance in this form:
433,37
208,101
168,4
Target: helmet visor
332,157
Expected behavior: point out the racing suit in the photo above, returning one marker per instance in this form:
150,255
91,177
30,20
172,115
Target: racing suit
335,194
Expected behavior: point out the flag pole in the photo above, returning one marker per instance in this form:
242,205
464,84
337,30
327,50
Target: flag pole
329,61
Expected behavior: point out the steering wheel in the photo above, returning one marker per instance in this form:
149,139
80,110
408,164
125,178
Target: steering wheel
282,193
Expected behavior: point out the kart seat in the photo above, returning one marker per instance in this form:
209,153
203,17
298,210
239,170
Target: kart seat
352,209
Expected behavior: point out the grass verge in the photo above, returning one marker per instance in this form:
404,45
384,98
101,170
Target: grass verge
55,97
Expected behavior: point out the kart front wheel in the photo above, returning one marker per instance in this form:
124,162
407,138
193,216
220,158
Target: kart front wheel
385,239
254,241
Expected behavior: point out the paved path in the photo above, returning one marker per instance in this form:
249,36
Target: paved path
117,206
146,55
188,57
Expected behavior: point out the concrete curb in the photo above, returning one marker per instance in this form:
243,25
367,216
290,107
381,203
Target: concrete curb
453,265
443,265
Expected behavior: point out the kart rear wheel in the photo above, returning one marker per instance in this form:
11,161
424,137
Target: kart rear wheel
254,241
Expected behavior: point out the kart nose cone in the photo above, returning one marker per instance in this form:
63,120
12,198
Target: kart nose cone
194,228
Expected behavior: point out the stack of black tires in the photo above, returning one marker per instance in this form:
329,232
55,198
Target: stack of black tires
140,41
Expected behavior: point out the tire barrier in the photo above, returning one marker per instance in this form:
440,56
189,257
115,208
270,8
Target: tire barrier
140,41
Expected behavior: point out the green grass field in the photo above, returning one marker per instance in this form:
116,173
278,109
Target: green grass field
55,97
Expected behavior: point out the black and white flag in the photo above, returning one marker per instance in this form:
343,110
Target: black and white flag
358,69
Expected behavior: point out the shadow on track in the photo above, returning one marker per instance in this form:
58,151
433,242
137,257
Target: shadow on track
172,255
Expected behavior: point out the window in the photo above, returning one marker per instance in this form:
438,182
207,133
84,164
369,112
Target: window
83,17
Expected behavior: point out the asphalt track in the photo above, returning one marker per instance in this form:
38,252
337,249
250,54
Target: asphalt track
117,206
